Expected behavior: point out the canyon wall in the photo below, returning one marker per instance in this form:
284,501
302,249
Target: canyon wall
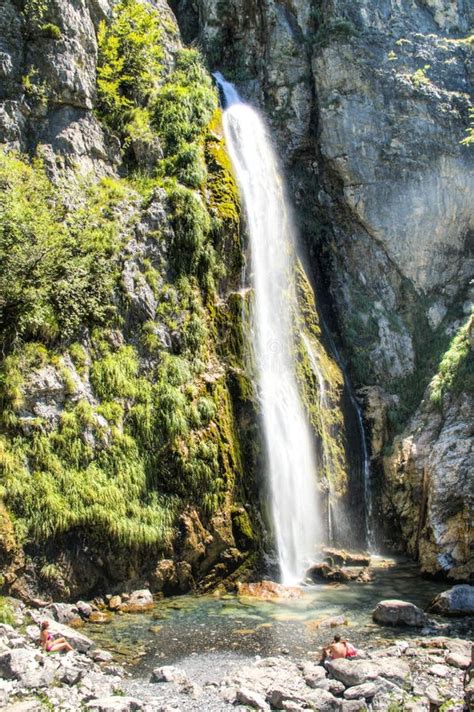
369,103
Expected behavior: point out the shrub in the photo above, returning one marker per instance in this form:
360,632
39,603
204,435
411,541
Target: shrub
129,62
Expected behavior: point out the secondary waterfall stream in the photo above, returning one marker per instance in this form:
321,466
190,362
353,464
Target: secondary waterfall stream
289,447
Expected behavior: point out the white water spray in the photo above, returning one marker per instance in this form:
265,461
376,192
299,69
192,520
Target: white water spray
292,469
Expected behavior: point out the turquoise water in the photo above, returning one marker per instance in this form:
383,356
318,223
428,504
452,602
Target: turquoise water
193,625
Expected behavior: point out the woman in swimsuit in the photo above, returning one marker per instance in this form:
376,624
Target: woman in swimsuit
50,644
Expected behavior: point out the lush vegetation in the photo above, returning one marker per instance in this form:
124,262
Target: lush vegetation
58,266
456,369
135,424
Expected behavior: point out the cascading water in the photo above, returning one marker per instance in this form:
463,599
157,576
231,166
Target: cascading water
291,462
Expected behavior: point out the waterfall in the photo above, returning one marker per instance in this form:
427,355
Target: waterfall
289,446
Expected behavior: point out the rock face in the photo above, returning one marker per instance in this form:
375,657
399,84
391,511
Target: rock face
368,103
393,612
49,109
458,601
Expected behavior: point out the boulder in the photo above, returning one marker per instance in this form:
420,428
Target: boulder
85,609
101,656
395,612
100,617
313,674
267,590
357,672
115,603
138,602
168,673
456,601
252,699
341,557
79,641
353,705
367,690
65,613
457,660
28,667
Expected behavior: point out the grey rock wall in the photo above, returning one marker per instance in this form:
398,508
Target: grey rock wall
368,102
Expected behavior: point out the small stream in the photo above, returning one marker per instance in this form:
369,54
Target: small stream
188,629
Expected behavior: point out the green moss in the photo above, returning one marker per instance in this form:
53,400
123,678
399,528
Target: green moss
79,357
49,29
321,382
242,527
456,369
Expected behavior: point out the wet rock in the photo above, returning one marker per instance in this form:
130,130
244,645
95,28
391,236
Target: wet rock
341,557
138,602
395,612
100,617
114,603
267,590
457,601
331,622
252,699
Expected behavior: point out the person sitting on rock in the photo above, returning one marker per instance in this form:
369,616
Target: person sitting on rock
337,649
49,643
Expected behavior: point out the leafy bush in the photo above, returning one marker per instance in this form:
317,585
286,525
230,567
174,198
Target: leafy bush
129,62
58,267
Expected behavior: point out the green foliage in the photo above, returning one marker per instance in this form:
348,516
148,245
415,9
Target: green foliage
456,369
419,78
7,614
185,103
469,140
58,267
129,64
49,29
191,226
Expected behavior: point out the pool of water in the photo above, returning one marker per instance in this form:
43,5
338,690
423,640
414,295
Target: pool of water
227,624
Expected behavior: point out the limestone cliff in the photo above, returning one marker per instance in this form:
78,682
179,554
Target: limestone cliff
130,450
369,103
124,452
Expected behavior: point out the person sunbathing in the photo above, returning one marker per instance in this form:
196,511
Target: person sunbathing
339,648
49,643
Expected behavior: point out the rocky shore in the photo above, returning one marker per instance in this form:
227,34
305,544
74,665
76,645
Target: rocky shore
429,672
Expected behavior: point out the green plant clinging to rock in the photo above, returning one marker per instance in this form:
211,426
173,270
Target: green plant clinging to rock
141,428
